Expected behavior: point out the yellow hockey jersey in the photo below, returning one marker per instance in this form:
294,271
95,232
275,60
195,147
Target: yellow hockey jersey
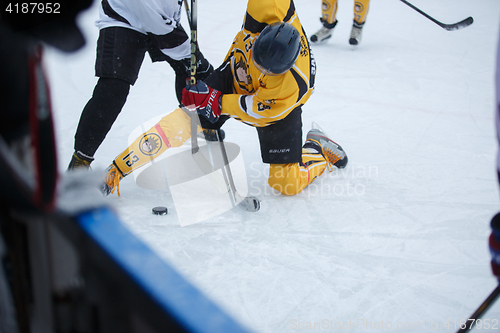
261,100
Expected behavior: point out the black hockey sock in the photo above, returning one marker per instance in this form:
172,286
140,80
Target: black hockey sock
357,24
100,113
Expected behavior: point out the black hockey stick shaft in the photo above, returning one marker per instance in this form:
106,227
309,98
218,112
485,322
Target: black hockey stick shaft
481,310
193,26
450,27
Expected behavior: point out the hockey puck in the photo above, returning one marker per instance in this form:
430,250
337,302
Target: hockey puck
160,210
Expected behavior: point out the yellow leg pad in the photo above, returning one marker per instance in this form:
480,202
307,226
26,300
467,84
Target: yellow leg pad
290,179
361,10
171,131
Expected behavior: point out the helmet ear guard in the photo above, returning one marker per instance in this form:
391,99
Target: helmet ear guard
276,48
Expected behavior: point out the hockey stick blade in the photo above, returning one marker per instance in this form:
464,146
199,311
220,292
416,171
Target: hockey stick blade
462,24
449,27
250,204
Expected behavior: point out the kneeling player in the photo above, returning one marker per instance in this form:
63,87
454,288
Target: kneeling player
266,77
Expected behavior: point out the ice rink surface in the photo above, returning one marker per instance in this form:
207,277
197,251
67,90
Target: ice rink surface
398,239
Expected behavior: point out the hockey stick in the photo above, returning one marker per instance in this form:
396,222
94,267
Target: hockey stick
188,12
450,27
215,178
481,310
193,25
251,204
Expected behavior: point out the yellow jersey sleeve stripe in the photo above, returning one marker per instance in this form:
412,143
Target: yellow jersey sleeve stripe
301,83
252,25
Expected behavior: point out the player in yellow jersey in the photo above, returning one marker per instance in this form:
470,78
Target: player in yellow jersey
329,21
265,79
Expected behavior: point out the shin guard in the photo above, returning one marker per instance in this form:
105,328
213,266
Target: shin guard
290,179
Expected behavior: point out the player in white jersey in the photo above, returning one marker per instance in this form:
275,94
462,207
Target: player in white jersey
127,30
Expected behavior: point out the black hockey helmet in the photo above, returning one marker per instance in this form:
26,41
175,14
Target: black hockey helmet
276,48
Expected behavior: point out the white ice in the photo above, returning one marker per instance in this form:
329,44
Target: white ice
399,237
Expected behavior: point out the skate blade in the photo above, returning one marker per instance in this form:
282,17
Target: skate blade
315,125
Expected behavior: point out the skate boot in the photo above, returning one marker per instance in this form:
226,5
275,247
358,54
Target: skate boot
79,161
112,180
324,33
356,31
331,151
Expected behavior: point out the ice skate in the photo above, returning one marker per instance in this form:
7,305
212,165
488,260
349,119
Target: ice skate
331,151
79,161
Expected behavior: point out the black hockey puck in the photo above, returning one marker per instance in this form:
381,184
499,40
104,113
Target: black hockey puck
160,210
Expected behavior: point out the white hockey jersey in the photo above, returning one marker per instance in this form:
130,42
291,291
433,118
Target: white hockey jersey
157,17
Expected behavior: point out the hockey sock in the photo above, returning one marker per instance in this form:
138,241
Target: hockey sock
100,113
329,13
361,11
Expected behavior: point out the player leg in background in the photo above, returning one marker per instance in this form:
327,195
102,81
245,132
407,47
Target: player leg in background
360,13
328,20
318,154
120,52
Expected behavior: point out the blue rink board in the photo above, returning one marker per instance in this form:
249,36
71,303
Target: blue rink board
186,304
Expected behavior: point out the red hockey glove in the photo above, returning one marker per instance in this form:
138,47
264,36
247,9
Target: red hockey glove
203,99
495,245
